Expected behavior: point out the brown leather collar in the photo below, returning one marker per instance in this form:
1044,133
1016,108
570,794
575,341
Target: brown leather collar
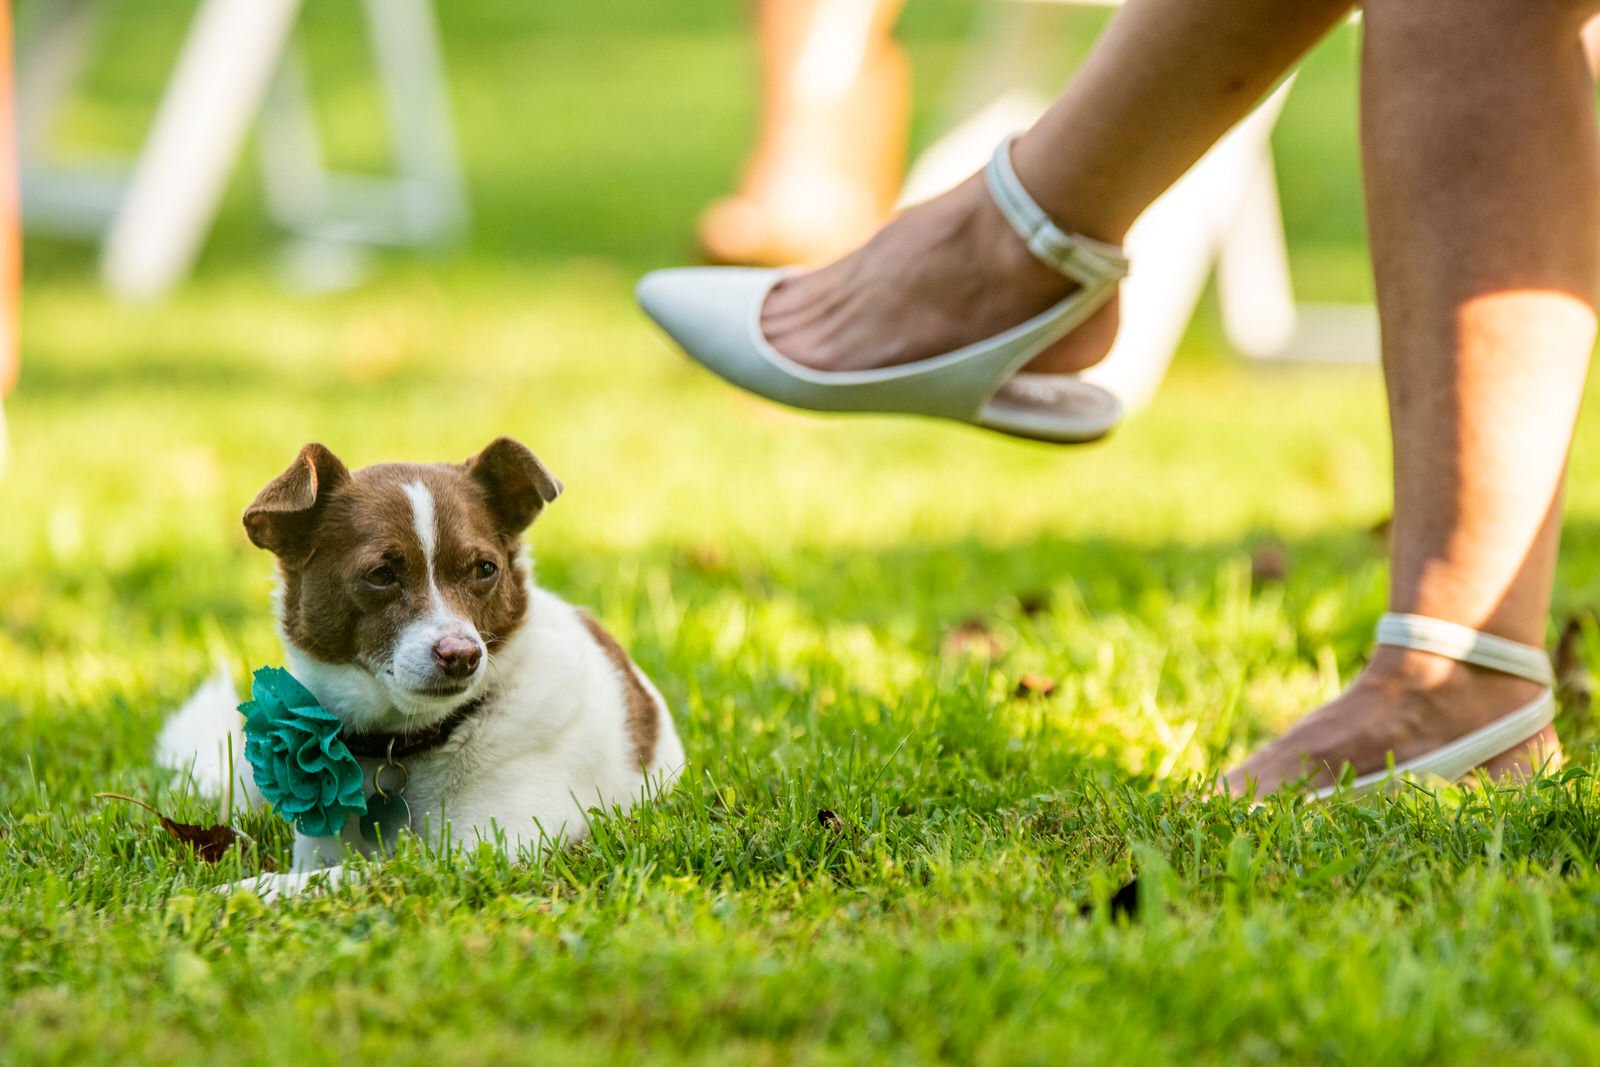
401,746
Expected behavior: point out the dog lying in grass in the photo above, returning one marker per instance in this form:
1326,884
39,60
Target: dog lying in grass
477,705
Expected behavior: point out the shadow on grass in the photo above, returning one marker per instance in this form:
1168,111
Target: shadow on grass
849,660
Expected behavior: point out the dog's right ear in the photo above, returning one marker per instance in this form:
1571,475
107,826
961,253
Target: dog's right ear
518,485
279,519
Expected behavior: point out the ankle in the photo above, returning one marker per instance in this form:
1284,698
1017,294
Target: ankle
999,250
1399,675
1078,206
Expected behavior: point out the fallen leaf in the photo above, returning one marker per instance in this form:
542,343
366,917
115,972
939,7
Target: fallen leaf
1573,680
1035,685
1033,603
1269,564
1124,902
706,558
831,822
973,636
210,843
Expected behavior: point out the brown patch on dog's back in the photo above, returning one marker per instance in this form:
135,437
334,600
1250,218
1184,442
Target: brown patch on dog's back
644,725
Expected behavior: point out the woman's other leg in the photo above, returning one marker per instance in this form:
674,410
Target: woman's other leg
1483,189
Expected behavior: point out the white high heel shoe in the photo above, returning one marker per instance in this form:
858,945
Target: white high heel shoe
1465,645
714,313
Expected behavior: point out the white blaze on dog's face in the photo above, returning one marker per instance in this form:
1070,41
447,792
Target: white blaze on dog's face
400,581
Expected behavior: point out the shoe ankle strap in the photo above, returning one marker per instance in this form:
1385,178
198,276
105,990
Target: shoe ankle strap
1083,259
1466,645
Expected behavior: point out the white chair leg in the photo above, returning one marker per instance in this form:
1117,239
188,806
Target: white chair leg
221,78
53,46
294,181
424,202
1253,281
54,43
411,74
1172,247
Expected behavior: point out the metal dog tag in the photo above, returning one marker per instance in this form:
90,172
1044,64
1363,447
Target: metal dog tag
387,812
386,816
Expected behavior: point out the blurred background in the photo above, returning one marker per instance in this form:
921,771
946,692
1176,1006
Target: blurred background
596,135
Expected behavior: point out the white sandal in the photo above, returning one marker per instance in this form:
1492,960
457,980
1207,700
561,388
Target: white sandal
1465,645
714,313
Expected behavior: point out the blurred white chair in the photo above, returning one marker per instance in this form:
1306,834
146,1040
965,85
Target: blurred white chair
236,65
1223,212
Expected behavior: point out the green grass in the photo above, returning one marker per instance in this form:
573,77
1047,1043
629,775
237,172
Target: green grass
790,582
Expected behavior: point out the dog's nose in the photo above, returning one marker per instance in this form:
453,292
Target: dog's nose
457,657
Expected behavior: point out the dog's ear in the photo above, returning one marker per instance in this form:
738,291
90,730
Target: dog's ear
279,519
517,484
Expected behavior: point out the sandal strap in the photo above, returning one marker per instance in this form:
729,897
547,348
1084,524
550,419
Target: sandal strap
1466,645
1083,259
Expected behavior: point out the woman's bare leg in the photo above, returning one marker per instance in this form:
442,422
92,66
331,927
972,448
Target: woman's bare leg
1166,80
1483,188
830,152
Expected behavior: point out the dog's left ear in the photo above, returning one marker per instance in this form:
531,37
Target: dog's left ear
517,484
281,516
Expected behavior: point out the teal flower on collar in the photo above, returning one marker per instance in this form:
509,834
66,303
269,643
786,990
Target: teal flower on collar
301,767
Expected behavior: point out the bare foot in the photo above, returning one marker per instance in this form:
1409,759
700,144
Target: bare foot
1404,705
945,274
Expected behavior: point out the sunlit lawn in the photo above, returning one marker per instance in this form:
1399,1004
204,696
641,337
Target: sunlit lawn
793,584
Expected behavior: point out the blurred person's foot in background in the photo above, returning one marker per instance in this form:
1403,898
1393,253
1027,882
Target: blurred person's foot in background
830,154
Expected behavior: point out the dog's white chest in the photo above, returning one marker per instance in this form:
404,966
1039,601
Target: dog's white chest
549,746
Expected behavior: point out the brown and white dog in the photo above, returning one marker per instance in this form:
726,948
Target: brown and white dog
407,608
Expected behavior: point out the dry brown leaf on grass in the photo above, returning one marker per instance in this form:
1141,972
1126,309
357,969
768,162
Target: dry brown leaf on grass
1035,685
973,637
831,822
210,843
1573,680
1124,903
1269,564
706,558
1033,603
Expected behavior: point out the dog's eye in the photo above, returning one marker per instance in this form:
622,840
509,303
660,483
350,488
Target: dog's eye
382,576
483,570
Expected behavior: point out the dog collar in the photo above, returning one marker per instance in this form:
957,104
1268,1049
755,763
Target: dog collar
413,742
